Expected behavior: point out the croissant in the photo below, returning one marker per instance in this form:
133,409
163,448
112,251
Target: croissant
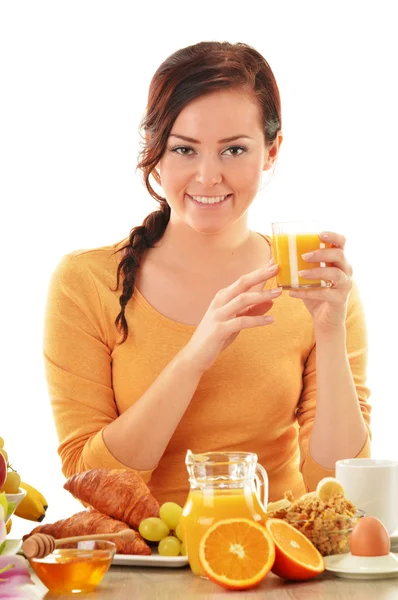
88,522
120,494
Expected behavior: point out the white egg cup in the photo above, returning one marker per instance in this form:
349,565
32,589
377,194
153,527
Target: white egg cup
366,567
17,498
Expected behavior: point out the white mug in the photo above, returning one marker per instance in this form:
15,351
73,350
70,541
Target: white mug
372,485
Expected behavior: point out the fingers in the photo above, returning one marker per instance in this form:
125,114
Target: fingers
257,309
332,294
244,322
322,294
327,274
325,294
245,283
333,256
246,300
331,237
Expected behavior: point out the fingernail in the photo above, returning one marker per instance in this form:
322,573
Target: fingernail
308,255
269,319
276,291
324,235
304,273
273,269
272,261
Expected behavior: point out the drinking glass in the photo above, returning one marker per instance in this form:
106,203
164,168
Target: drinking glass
290,240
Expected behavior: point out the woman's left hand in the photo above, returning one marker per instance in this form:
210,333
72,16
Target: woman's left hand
327,305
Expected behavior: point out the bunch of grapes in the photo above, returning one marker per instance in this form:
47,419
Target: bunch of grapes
165,530
13,480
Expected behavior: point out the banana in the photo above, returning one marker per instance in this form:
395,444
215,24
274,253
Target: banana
328,487
33,507
30,488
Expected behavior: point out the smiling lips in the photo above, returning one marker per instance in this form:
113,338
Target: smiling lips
206,200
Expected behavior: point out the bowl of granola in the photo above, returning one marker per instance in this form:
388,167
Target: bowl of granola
327,522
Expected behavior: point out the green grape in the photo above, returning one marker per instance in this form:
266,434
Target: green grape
170,512
183,549
169,546
178,532
153,529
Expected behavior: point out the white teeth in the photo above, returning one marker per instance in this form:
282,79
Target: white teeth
204,200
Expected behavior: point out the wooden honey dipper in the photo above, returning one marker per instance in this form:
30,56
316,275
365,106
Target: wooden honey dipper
40,545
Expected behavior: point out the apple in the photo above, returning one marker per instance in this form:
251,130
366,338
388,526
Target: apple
3,470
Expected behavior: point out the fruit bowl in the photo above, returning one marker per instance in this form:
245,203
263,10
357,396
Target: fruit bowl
13,501
75,567
331,535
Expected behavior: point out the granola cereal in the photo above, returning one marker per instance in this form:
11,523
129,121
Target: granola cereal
327,524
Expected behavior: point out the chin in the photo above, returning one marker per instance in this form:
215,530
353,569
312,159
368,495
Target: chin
207,228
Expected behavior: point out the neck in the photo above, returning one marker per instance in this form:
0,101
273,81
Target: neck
187,248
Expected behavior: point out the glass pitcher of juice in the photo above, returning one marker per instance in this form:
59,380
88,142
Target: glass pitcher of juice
223,485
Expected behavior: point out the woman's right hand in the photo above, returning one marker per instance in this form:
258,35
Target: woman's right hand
232,309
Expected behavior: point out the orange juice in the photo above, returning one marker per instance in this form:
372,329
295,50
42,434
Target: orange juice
288,248
205,507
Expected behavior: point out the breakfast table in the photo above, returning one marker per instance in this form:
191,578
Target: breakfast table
138,583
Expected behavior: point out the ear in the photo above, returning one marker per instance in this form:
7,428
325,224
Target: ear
273,151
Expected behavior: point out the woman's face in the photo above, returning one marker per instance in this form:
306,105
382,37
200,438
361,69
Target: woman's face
214,158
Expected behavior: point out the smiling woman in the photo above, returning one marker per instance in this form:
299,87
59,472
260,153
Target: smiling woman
210,173
177,337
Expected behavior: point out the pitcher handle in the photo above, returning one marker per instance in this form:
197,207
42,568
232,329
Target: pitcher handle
261,477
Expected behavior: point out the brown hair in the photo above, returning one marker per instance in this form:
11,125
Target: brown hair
187,74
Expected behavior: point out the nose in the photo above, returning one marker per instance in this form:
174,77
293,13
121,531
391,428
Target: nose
208,171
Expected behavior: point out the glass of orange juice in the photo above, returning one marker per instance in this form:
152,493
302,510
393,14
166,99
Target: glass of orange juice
290,240
223,485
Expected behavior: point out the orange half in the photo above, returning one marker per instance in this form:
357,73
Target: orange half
296,557
236,553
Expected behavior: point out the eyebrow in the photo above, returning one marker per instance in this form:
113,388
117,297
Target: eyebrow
223,141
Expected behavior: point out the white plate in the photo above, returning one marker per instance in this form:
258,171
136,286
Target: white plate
11,547
362,567
154,560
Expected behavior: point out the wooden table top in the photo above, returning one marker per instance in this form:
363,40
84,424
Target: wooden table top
137,583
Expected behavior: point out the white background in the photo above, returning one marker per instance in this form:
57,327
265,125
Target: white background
74,77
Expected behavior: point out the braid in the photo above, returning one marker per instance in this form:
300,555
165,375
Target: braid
141,238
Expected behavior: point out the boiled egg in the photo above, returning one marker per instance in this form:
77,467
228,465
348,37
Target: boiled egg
369,538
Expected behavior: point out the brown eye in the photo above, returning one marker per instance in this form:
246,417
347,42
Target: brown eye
236,150
182,150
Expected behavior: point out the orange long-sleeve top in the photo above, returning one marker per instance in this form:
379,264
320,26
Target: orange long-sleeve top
259,396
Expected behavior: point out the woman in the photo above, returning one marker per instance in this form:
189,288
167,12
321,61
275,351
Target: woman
178,337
